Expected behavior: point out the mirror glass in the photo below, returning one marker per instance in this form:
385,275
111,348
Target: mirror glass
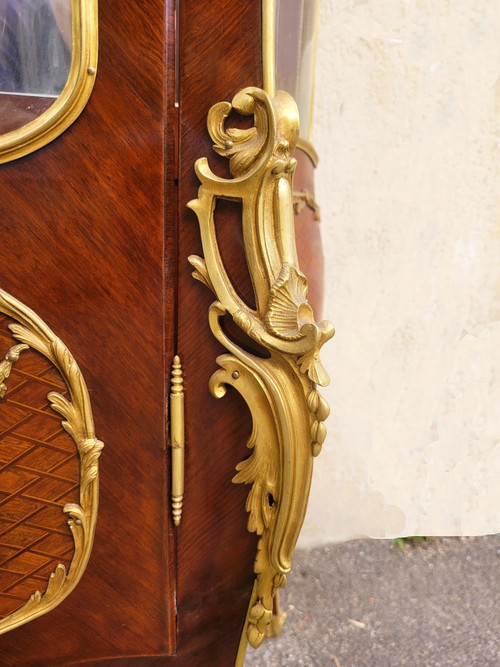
35,58
295,53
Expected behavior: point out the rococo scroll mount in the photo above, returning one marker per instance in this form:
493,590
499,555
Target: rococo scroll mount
287,410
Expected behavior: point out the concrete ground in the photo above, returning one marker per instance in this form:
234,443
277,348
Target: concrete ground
368,603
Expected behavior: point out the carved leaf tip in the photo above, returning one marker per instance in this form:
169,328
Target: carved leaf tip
55,583
311,365
75,512
30,338
243,147
200,271
56,580
66,410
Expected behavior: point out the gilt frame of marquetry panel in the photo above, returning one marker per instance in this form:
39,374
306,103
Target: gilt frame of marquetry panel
40,383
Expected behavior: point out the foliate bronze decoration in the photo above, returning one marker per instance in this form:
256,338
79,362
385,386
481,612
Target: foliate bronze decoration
77,421
304,199
287,410
6,366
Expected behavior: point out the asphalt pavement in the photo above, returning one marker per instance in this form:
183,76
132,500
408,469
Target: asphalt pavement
369,603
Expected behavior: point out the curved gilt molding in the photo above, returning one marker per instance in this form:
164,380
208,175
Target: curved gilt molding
309,150
287,410
76,413
71,102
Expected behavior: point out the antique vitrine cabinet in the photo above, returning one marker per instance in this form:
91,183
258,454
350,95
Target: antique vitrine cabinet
103,221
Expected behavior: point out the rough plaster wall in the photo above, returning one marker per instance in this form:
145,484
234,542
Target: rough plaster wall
407,120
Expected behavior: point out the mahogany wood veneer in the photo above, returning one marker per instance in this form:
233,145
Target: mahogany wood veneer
94,237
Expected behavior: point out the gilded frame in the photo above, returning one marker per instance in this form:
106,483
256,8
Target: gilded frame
71,102
29,330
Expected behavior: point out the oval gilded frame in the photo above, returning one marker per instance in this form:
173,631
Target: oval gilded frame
75,409
71,102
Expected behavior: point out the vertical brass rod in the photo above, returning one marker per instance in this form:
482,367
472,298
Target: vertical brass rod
269,46
177,438
315,58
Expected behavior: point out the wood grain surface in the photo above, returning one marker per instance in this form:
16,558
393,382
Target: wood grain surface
18,110
308,235
95,238
221,53
82,230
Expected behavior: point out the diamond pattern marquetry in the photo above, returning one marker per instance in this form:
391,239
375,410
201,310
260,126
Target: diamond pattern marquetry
39,474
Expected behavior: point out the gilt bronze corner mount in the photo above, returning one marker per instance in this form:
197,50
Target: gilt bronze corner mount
281,391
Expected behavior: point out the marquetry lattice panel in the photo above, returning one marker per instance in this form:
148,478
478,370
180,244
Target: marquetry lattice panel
39,475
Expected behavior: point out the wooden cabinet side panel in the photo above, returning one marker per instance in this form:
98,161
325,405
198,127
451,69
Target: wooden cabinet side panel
221,54
82,243
308,234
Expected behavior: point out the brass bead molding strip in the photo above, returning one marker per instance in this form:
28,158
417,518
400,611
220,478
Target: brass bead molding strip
72,100
76,413
309,150
287,410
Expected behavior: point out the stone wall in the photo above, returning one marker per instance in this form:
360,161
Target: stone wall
407,125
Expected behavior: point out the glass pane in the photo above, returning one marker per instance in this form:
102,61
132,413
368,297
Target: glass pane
35,57
295,49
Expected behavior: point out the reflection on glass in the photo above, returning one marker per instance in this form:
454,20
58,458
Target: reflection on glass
35,57
295,49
